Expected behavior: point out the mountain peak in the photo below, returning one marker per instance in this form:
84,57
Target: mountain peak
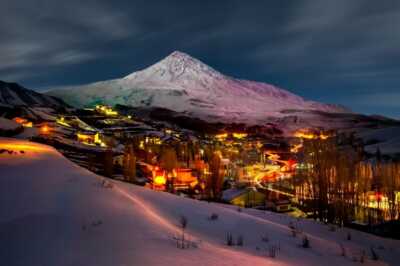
175,65
179,54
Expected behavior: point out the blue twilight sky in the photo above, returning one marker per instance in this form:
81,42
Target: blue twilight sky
337,51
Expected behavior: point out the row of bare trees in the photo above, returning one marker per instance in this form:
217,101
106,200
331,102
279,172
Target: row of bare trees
337,182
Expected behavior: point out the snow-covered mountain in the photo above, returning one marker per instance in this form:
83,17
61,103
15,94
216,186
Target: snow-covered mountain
12,95
182,83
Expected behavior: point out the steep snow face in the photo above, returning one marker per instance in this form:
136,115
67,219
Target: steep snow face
185,84
12,94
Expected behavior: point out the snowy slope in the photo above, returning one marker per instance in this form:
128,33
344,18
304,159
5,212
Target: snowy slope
185,84
386,139
53,217
7,124
12,94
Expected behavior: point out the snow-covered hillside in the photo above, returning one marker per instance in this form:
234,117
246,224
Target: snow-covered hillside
387,140
12,94
184,84
53,212
7,124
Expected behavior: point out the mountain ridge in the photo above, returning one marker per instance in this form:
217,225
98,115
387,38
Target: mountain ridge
185,84
12,94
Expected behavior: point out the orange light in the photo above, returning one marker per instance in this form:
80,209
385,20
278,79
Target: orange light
45,129
305,134
22,121
16,146
239,135
221,136
159,180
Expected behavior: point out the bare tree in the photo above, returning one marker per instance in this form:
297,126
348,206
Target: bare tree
215,179
183,222
129,163
108,163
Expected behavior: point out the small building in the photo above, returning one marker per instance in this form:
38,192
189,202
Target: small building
183,179
244,197
279,205
23,121
106,110
89,138
159,179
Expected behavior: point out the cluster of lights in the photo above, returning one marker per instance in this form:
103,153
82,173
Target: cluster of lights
22,121
91,139
62,121
108,111
309,135
235,135
45,130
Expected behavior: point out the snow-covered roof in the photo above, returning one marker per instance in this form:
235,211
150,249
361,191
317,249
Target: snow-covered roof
232,193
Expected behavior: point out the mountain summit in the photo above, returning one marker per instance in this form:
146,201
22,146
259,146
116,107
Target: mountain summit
184,84
175,65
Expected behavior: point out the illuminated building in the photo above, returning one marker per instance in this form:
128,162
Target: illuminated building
239,135
106,110
159,179
23,121
246,197
45,129
310,134
90,138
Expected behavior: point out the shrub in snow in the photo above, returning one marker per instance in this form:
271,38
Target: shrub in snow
305,243
239,209
229,239
293,229
264,238
272,250
239,240
362,257
342,250
97,223
213,217
183,221
374,255
348,236
291,225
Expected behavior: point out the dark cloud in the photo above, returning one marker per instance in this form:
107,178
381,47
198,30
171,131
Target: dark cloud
345,52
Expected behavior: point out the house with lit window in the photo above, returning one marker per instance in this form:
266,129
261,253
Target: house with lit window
90,138
23,121
184,179
244,197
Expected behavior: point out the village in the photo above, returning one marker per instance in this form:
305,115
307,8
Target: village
248,170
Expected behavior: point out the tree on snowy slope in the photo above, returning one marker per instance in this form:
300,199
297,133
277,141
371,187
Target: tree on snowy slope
108,164
215,179
322,155
335,176
129,162
168,160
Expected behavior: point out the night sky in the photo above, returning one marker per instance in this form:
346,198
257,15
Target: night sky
345,52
